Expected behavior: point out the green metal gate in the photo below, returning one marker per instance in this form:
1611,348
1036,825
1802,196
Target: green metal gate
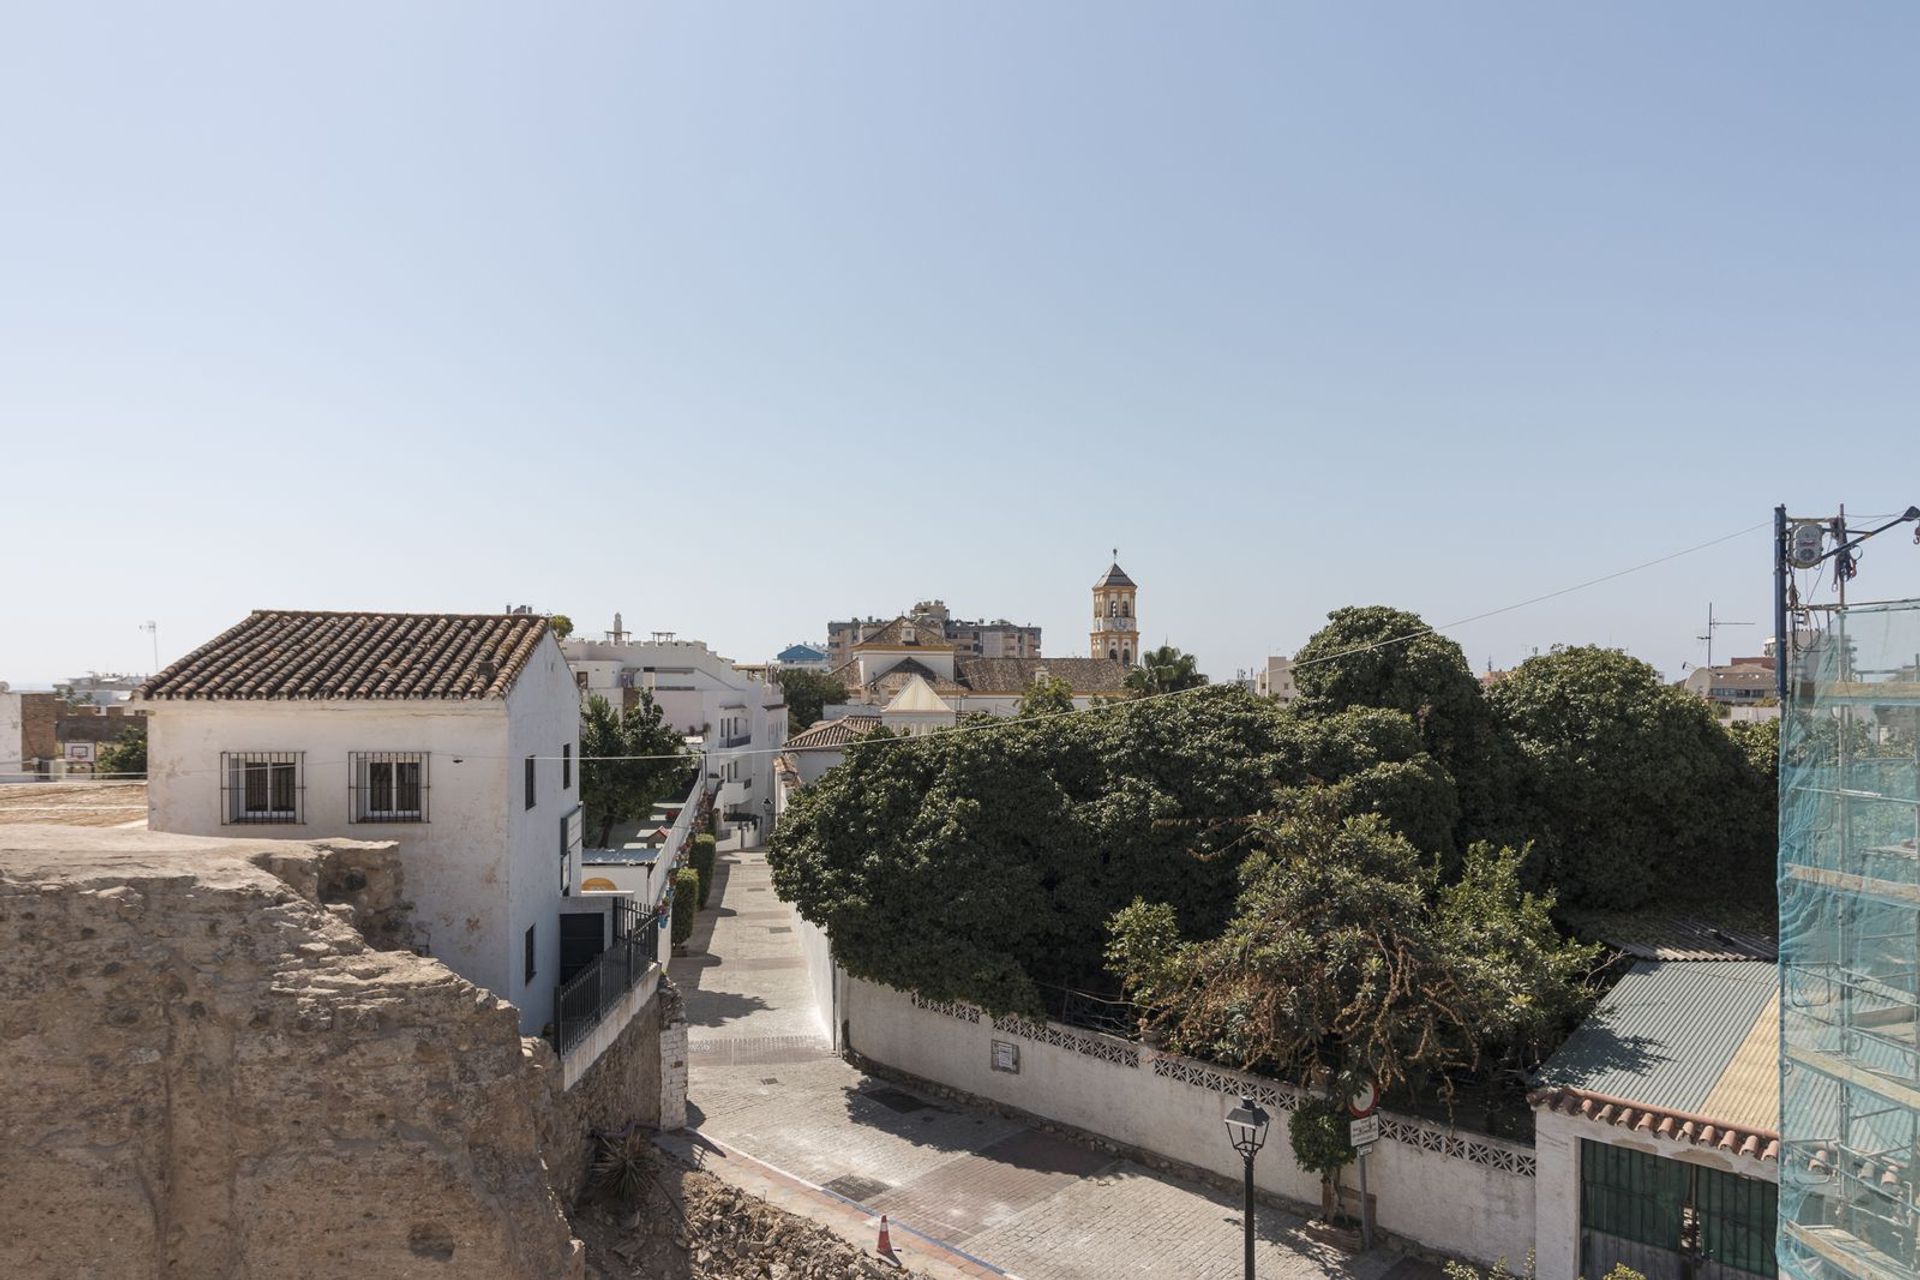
1672,1221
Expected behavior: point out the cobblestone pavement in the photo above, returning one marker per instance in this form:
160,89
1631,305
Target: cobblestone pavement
1006,1198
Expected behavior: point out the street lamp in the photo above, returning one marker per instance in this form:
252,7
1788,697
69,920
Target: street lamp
1247,1130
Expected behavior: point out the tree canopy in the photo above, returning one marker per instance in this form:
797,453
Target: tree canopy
612,790
1630,786
1374,656
806,693
126,755
1346,956
1164,670
978,865
561,625
1046,696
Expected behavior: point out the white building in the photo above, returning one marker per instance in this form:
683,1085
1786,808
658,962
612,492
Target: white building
1276,681
454,735
102,689
1744,689
738,716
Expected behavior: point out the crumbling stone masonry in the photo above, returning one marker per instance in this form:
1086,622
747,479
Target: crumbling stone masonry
210,1074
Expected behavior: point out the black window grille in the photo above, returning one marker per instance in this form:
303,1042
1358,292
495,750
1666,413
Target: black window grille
529,782
566,765
387,786
262,787
530,955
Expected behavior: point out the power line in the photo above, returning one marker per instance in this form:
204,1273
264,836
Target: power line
1119,703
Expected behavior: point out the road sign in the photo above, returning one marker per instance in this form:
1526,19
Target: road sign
1364,1100
1363,1133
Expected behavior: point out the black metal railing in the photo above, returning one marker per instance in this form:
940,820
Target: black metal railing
263,787
582,1001
739,740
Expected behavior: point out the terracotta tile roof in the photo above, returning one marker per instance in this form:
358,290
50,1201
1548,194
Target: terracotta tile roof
1699,1131
291,654
1016,675
832,733
893,636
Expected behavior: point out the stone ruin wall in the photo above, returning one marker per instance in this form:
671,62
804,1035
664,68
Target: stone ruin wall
211,1074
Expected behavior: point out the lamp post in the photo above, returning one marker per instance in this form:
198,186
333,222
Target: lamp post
1247,1130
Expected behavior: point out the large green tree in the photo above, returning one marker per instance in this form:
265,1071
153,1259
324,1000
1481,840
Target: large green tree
979,865
1374,656
629,761
126,755
1164,670
1046,696
1630,786
1370,760
1346,957
806,693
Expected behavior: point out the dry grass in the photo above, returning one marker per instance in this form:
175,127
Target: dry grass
74,804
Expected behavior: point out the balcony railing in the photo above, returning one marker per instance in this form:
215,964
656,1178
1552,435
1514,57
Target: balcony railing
728,744
584,1000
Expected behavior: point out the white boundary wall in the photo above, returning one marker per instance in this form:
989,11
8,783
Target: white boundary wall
821,975
1463,1194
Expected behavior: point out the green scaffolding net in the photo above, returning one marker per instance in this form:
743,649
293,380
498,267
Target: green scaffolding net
1850,948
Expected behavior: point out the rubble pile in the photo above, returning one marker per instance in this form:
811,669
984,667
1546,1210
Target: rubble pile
688,1225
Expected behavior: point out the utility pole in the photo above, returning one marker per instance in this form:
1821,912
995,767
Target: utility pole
1802,542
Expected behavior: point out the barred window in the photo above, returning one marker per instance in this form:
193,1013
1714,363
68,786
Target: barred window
566,765
387,786
262,787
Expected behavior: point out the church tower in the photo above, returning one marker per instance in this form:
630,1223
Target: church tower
1116,628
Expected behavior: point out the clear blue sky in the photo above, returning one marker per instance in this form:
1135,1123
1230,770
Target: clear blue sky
738,316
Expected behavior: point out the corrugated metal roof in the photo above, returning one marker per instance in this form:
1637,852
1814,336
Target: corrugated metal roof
1673,937
1748,1093
1667,1032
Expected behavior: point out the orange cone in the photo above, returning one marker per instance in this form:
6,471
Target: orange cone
885,1247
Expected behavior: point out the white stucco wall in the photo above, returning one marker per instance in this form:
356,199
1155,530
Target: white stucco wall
1478,1205
1557,1140
478,870
543,713
822,975
12,767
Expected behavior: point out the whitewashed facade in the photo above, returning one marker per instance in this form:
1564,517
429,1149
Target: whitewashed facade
480,794
738,715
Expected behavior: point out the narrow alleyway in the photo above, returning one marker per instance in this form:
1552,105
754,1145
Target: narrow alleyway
1004,1198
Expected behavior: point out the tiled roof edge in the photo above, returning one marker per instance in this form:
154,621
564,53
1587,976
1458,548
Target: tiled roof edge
1662,1122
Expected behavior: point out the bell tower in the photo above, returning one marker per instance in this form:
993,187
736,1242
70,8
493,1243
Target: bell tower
1116,627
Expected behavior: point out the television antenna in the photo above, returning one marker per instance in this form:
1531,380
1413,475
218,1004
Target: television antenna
1713,625
152,628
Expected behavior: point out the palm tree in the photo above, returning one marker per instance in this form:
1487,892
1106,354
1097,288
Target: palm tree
1164,670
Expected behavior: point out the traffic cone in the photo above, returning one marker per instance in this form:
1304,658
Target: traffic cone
885,1247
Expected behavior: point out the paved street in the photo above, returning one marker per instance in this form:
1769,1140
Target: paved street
1006,1198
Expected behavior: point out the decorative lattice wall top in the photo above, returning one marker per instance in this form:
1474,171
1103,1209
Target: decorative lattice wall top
1278,1095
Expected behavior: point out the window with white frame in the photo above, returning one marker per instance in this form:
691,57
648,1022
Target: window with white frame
387,786
262,787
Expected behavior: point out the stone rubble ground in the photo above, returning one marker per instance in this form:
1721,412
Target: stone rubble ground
689,1225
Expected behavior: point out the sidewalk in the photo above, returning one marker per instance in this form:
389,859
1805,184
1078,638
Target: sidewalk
771,1106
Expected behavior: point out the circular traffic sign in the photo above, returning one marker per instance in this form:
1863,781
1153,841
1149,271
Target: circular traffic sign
1364,1100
